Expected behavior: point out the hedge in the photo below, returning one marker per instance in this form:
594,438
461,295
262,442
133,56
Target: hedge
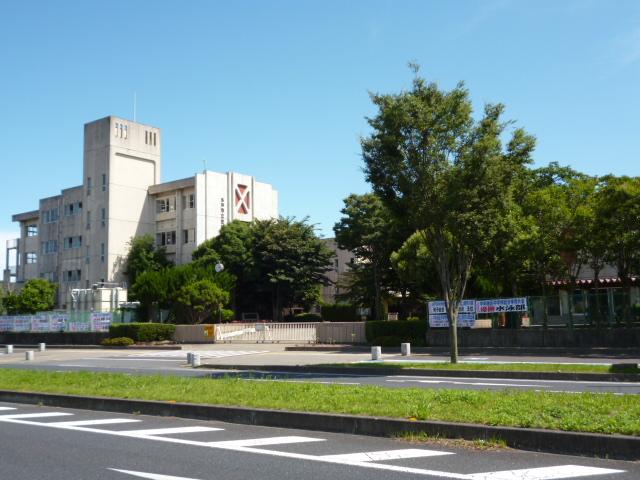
339,312
397,332
143,332
306,317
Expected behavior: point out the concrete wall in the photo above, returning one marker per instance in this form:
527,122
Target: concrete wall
535,338
341,332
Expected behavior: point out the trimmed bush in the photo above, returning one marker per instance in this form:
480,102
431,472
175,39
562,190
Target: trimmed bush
117,342
306,317
228,315
397,332
340,312
143,332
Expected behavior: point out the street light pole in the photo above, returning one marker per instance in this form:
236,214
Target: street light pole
219,268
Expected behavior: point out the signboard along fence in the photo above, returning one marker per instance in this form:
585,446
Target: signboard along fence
57,322
469,309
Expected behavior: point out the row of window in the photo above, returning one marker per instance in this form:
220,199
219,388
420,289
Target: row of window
102,254
103,218
72,275
150,138
32,230
168,204
169,238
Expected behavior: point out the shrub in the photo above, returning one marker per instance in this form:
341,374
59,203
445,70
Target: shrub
117,342
228,315
143,332
306,317
410,331
340,312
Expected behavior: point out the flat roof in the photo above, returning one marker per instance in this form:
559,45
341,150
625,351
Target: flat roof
171,186
21,217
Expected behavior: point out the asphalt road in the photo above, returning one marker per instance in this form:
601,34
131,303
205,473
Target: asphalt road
173,363
63,444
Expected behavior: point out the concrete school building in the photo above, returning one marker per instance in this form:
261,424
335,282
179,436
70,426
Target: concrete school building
79,239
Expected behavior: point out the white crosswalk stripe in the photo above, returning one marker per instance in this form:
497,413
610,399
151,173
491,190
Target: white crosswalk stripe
202,353
261,442
6,408
100,421
170,431
21,416
543,473
386,455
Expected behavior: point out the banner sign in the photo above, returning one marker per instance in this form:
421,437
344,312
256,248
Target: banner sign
502,305
441,320
22,324
58,322
40,323
6,324
100,322
439,307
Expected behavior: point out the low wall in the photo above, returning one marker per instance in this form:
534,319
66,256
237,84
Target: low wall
341,332
53,338
194,333
560,338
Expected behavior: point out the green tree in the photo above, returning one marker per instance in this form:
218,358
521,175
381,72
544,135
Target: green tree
144,256
618,212
367,229
291,262
447,174
201,299
37,295
415,266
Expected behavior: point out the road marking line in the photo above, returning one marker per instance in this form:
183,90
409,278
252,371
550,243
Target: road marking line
169,431
590,382
259,442
387,455
543,473
101,421
297,456
152,476
34,415
7,408
457,382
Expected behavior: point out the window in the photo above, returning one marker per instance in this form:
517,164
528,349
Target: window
188,201
166,205
146,137
50,246
154,139
102,249
71,209
188,235
32,230
72,275
103,217
115,132
125,131
192,200
104,182
50,216
72,242
87,257
165,238
88,219
89,184
31,257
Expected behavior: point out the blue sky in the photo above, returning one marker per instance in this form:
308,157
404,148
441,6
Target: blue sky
279,89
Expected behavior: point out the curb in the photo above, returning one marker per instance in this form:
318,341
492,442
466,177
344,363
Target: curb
99,347
620,447
419,372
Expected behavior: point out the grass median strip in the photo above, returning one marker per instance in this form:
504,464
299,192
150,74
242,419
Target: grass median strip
582,412
629,368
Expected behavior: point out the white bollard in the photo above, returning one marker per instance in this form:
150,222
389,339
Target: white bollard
42,347
405,349
376,353
28,355
8,349
195,359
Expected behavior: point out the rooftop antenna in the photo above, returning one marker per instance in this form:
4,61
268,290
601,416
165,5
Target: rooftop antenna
204,164
134,105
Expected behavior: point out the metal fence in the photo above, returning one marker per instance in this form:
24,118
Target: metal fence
266,332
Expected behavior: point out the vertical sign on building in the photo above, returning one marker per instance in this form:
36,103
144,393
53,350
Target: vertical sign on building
243,199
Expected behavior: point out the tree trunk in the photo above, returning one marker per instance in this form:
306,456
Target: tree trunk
545,312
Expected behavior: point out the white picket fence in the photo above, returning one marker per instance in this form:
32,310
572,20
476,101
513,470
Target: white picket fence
266,332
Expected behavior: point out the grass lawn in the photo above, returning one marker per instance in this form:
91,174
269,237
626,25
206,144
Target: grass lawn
584,412
501,367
